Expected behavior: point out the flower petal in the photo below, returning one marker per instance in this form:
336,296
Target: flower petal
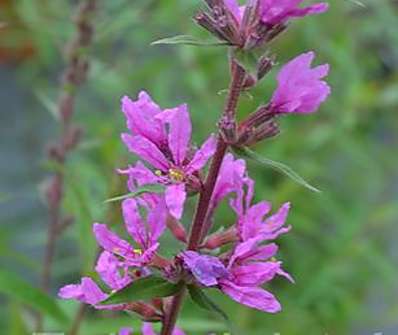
249,250
133,222
180,131
140,117
175,196
87,292
206,269
201,156
108,267
111,242
147,150
253,297
157,221
255,274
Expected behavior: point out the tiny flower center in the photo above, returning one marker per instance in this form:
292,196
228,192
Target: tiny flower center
138,252
176,175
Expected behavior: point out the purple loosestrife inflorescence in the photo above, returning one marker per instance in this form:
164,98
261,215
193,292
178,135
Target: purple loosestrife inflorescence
237,257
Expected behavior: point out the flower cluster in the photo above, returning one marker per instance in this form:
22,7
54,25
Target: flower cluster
238,259
254,24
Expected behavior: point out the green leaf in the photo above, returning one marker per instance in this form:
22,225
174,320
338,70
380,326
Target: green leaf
203,301
187,40
144,289
16,288
153,188
286,170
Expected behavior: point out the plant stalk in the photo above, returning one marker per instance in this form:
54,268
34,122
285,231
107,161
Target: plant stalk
238,76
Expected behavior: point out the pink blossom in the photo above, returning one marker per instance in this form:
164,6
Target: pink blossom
275,12
300,88
113,272
279,12
145,234
162,138
248,268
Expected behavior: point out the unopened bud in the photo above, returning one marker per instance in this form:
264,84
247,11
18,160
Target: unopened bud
228,129
145,311
72,137
267,130
177,229
250,81
275,32
219,239
265,65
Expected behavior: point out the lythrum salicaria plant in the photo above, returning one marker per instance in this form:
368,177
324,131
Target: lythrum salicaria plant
237,260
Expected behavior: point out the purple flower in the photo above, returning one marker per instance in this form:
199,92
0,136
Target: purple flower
113,272
147,329
231,178
206,269
279,12
87,292
162,138
274,12
145,234
300,88
247,270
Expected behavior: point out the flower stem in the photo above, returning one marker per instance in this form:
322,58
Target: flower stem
238,76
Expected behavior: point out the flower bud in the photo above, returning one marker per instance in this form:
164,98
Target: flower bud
177,229
219,239
145,311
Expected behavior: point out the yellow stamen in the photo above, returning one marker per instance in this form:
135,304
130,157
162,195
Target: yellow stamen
176,175
138,252
158,173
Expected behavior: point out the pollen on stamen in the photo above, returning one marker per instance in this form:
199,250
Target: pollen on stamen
158,173
176,175
138,252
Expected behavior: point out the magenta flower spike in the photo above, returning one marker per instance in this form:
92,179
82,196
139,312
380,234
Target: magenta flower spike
300,88
162,138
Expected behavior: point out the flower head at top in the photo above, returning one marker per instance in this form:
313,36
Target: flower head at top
162,139
300,87
255,23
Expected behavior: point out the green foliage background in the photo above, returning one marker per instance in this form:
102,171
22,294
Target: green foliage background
342,250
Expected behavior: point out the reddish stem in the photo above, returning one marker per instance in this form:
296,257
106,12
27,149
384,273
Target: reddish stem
238,76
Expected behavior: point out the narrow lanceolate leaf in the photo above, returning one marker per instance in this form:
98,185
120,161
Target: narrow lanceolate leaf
187,40
286,170
144,289
155,188
202,300
20,290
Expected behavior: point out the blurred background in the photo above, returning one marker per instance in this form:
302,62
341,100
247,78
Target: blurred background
342,250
